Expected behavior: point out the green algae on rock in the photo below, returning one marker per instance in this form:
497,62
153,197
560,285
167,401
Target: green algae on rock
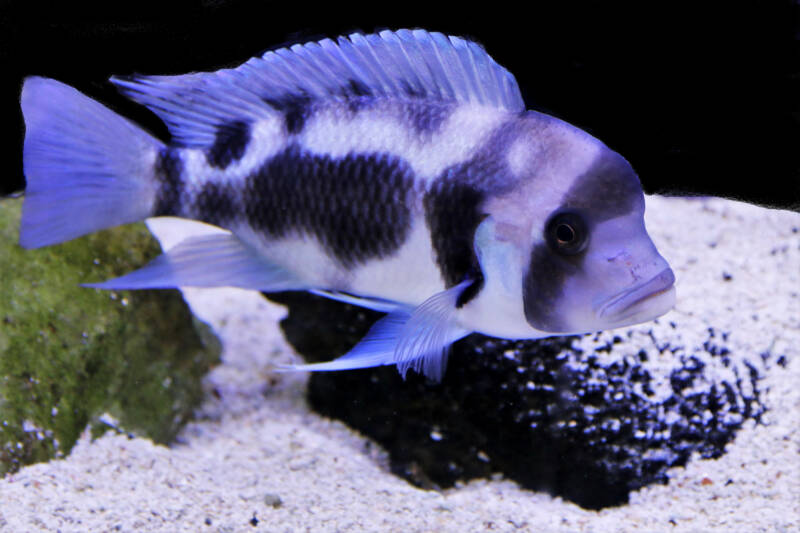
69,354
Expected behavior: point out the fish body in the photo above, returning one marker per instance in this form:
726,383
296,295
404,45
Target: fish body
350,211
399,171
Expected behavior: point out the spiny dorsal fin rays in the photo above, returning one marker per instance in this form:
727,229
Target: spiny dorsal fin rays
193,105
401,64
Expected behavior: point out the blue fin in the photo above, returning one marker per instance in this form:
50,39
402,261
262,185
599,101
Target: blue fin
220,260
388,64
375,349
415,339
85,166
428,334
376,304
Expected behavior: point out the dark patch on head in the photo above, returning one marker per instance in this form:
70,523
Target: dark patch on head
216,204
230,142
168,170
543,285
608,189
296,108
355,206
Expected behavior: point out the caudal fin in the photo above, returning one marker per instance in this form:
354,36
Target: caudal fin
86,167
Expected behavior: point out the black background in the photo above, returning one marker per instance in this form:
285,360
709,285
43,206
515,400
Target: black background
703,102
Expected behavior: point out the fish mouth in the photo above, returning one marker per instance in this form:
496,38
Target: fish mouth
629,302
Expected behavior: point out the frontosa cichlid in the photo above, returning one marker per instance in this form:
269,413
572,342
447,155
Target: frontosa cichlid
399,171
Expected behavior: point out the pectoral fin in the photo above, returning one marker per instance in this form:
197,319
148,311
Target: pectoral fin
376,304
415,339
375,349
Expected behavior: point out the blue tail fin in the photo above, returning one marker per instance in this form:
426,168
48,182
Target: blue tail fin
86,167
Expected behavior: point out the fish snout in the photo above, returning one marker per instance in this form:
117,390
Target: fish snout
635,299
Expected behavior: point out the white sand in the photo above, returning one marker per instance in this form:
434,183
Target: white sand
258,451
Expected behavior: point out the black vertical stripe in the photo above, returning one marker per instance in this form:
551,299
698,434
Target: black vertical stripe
168,171
453,208
452,212
543,286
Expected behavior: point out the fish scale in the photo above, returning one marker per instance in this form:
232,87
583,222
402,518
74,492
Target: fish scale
399,171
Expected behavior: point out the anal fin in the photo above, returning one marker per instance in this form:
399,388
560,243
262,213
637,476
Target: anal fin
416,339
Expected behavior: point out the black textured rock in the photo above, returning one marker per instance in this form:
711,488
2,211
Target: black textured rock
543,413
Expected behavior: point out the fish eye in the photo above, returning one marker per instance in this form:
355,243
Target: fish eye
566,233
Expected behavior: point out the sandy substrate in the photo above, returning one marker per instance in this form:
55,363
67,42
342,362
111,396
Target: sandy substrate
257,460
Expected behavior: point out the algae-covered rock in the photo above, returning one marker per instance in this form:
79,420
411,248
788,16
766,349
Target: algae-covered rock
69,354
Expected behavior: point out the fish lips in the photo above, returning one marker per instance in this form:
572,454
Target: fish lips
637,299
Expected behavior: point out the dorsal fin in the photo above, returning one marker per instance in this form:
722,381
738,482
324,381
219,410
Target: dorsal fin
402,64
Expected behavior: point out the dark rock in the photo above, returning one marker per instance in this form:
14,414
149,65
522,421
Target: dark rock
545,413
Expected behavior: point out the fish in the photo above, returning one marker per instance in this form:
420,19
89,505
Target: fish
398,171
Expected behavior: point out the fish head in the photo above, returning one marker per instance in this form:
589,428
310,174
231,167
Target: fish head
592,264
